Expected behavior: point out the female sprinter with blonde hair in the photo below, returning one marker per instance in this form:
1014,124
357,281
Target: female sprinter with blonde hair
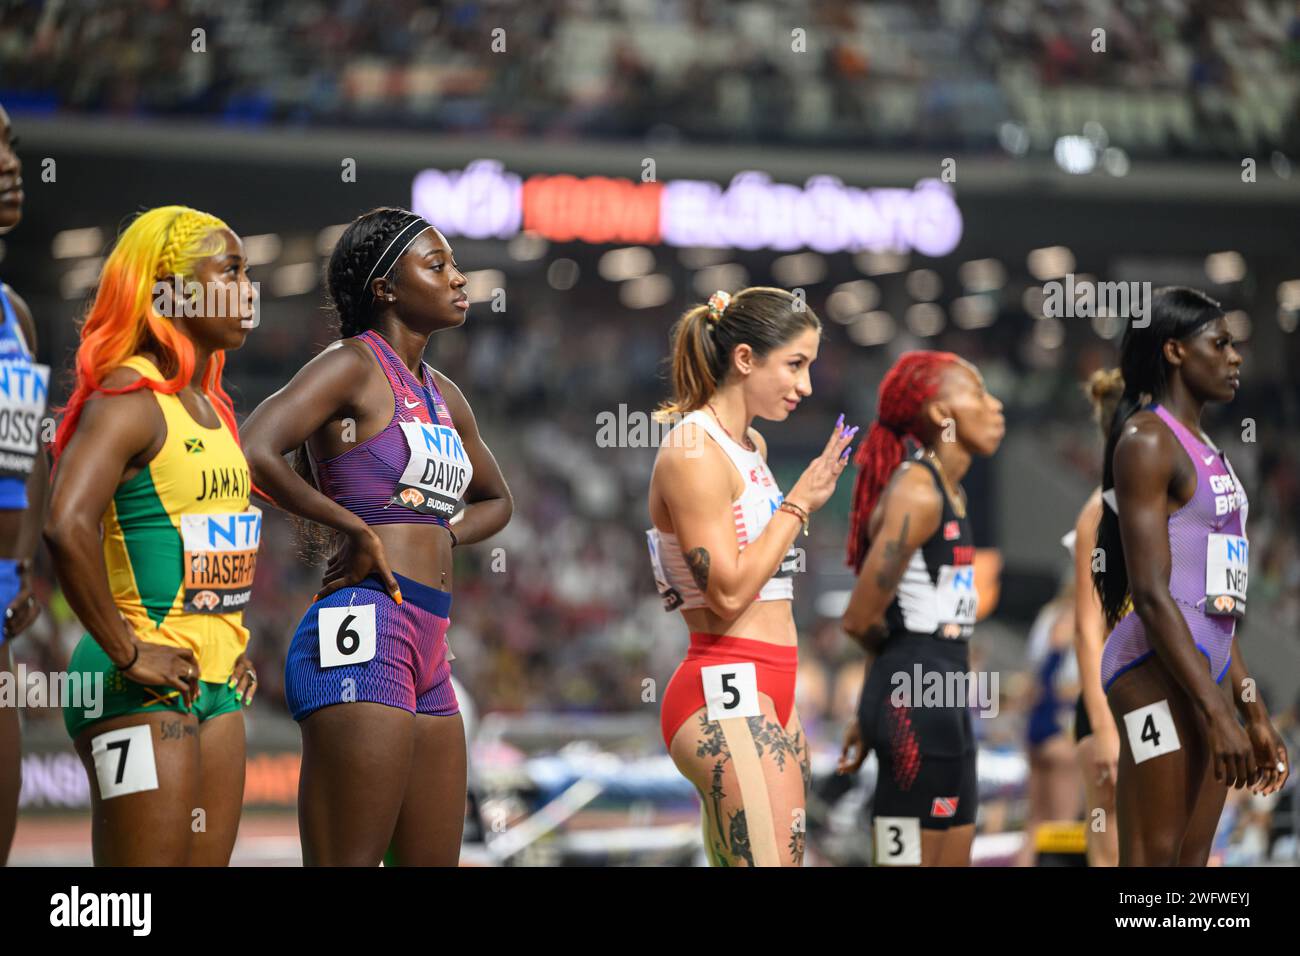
721,552
154,542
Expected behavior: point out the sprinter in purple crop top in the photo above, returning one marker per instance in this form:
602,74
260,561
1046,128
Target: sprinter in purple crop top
1171,568
391,472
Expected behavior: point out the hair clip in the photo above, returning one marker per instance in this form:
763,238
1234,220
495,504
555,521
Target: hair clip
718,303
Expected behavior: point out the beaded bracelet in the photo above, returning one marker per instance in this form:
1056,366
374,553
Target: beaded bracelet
794,509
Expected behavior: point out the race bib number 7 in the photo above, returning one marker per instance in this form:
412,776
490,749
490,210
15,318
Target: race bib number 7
220,559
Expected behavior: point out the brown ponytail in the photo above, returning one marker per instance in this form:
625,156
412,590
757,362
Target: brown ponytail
762,317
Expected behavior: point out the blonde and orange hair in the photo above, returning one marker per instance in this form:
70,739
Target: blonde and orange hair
122,321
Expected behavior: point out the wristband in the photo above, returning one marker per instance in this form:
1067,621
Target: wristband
791,508
133,660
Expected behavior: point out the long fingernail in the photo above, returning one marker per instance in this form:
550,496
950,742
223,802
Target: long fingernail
397,596
315,597
839,421
847,452
852,431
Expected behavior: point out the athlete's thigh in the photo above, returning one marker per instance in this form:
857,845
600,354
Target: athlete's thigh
1152,794
748,772
11,766
144,786
356,759
431,822
221,788
952,846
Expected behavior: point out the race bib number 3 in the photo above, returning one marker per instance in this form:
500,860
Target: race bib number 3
23,390
958,600
347,634
437,471
731,690
898,841
1227,567
220,559
124,761
1151,731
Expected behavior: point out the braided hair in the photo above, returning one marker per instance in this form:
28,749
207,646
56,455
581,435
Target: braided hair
907,386
158,246
352,260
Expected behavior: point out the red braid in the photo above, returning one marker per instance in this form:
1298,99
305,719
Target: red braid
907,386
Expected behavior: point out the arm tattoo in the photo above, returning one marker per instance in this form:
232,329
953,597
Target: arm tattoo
698,561
887,578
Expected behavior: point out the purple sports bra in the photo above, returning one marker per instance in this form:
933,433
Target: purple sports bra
416,470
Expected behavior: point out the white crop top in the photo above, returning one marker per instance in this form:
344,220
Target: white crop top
751,511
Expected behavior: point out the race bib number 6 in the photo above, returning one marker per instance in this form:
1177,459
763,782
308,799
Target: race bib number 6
731,690
347,634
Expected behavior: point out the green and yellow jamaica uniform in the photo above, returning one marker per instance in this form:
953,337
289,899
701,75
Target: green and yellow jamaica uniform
180,543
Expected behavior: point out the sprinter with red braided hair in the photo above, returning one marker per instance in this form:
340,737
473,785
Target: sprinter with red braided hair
914,606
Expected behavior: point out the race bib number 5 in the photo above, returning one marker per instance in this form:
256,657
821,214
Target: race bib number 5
220,558
1227,567
731,690
437,471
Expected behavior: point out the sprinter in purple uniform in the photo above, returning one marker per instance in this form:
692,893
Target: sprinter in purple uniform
1173,586
389,466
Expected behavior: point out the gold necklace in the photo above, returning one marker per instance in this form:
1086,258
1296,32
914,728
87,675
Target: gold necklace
958,504
749,442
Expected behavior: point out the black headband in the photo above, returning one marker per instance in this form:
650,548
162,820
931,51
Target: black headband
388,258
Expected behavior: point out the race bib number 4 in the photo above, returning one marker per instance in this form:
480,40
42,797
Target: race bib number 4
437,471
23,389
731,690
1227,566
1151,731
958,600
220,558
